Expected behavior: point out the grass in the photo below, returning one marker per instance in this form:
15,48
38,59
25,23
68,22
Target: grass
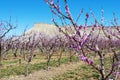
85,72
20,69
10,62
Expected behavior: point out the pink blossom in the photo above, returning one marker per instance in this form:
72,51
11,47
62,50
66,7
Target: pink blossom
68,12
96,47
83,58
90,62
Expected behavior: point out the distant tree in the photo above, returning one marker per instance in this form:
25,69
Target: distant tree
5,27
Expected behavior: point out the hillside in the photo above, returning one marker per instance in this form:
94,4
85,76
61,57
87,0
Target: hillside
47,29
51,30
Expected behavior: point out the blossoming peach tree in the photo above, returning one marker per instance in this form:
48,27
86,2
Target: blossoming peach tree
5,27
92,43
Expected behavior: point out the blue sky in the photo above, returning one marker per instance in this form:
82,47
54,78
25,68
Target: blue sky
28,12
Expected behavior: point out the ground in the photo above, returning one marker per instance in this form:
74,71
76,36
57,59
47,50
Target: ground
47,74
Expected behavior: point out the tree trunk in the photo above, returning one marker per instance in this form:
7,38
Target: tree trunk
49,57
24,55
70,56
59,59
27,70
20,61
15,53
102,71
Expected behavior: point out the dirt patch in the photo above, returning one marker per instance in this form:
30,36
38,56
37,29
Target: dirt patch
46,74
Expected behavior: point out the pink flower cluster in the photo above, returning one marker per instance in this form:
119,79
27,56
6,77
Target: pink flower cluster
68,12
86,59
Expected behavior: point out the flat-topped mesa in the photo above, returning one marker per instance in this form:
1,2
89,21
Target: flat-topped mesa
43,26
48,29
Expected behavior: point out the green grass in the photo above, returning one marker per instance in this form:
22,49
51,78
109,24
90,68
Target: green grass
85,72
20,69
12,71
9,62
